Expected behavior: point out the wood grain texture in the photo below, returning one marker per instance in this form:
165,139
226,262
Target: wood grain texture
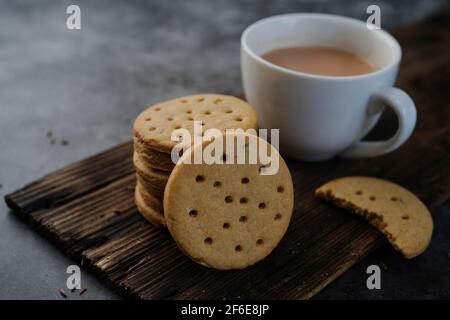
88,210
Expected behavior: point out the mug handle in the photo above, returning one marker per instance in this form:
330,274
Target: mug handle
405,110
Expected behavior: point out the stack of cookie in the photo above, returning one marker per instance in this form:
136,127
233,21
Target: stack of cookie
153,144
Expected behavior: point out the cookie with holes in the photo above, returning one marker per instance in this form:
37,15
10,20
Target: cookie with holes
229,215
153,127
395,211
150,210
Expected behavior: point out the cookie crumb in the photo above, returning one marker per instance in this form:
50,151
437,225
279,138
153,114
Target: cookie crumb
49,134
64,142
62,293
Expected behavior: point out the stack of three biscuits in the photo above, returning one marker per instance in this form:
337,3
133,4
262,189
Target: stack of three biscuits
153,145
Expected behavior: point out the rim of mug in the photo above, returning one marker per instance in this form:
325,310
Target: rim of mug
386,35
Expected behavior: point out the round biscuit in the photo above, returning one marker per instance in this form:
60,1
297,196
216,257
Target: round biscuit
228,216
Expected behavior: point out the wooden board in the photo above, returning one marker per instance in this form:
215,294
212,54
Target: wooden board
88,210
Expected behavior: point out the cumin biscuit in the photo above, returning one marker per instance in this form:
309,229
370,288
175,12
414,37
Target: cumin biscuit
150,199
153,127
228,216
395,211
153,158
151,214
151,179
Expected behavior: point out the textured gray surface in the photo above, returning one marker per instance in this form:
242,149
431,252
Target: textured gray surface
87,86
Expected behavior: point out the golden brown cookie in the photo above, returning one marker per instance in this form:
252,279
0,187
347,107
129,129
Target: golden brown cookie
151,179
154,126
395,211
150,199
153,188
156,159
228,216
152,215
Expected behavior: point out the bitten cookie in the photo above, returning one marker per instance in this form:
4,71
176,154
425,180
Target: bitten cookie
148,212
395,211
153,127
228,216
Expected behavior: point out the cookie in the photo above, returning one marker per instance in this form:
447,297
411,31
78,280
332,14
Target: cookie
151,179
153,127
150,199
151,187
228,216
395,211
155,159
152,215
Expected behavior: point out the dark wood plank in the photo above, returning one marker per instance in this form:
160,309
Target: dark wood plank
88,210
74,180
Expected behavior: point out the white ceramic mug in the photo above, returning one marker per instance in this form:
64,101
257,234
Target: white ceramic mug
320,117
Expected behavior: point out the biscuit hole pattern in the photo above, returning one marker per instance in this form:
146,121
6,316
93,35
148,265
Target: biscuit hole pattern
359,192
238,248
372,198
157,109
226,225
207,112
217,101
280,189
200,99
277,216
245,180
217,184
193,213
238,119
243,200
190,118
199,178
188,111
183,101
262,205
259,242
243,219
405,217
394,199
208,241
228,111
228,199
178,127
169,119
148,119
151,129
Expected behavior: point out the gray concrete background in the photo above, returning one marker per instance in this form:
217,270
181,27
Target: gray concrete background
87,86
